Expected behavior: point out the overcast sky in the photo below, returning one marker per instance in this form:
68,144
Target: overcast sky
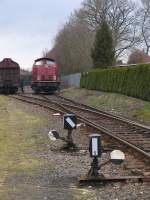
27,27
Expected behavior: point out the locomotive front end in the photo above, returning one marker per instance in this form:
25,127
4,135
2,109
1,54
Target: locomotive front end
44,76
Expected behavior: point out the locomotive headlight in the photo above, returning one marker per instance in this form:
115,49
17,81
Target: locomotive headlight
95,145
117,157
54,77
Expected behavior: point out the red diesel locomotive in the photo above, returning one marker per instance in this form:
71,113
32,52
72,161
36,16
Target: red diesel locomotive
44,76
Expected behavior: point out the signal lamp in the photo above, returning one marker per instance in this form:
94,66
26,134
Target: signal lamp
95,145
70,121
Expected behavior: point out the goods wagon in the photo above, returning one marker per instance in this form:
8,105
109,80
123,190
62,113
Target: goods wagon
44,76
9,76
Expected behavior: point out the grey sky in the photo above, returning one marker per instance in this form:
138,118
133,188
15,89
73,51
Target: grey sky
27,27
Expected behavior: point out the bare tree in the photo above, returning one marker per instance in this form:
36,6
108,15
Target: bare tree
44,52
51,54
73,45
138,56
119,14
145,24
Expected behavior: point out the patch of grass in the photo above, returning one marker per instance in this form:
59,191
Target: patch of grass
143,113
3,100
5,193
127,106
73,93
20,142
83,194
111,101
29,120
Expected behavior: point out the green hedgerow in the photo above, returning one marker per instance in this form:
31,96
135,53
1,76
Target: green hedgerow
131,81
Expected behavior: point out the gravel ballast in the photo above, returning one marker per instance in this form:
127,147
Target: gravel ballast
59,170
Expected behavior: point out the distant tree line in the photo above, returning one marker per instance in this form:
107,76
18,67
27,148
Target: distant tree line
138,56
128,23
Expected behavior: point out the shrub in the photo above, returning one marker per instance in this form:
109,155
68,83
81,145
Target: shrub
131,81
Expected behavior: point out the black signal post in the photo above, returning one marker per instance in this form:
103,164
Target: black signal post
95,153
70,123
94,175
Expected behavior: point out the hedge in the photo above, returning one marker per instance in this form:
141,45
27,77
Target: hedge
131,81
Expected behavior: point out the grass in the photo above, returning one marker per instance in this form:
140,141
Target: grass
127,106
73,93
143,113
83,194
20,139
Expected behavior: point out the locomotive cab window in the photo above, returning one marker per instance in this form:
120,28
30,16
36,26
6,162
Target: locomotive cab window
48,62
39,62
43,62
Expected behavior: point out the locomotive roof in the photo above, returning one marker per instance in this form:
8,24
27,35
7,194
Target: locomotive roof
8,62
44,58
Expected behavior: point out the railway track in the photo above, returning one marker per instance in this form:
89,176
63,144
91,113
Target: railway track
131,135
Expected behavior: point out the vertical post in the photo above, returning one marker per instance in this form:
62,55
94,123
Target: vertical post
70,123
94,168
70,139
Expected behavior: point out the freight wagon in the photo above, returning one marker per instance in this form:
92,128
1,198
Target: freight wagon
44,76
9,76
